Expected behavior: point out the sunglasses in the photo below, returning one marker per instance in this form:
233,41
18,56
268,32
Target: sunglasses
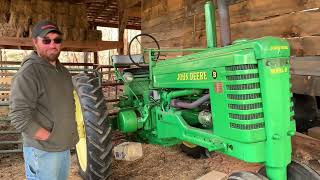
48,41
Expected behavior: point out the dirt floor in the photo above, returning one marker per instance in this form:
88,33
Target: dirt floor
157,163
164,163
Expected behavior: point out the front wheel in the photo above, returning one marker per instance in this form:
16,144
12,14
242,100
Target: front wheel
244,175
94,149
297,171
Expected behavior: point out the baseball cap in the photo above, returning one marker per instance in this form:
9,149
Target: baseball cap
42,28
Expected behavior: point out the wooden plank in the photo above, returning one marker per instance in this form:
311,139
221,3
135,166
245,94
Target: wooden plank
252,10
89,46
305,46
213,175
289,25
305,65
308,85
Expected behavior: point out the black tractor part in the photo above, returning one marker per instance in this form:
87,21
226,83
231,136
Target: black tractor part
194,151
97,130
305,109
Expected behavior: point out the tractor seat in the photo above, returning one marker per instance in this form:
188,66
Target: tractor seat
138,71
118,60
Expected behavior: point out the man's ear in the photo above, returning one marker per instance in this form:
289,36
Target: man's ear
34,40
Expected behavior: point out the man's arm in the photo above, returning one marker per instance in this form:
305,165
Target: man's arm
23,99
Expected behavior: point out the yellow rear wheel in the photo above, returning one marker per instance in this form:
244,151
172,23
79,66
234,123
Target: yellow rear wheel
94,149
81,146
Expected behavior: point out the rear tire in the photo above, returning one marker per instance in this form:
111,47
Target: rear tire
94,150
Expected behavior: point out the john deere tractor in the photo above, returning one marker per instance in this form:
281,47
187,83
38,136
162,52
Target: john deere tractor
235,100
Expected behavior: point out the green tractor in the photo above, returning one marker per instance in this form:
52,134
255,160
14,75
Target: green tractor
235,100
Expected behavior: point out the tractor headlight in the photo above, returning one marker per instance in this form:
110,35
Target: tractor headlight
128,77
205,119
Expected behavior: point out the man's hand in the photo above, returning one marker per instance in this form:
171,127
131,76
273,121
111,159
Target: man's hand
41,134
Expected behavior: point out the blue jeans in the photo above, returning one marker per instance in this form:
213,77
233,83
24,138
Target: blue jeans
43,165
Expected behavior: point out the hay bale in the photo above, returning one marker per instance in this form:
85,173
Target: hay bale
65,20
45,7
63,7
74,9
75,34
20,32
60,20
70,21
5,6
3,18
8,30
94,35
23,21
43,17
53,18
30,31
18,6
81,22
27,8
65,31
14,18
82,34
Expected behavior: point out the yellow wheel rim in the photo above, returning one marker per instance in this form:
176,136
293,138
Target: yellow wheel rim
189,145
81,146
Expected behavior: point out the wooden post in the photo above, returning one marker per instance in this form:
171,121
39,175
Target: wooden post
123,18
95,59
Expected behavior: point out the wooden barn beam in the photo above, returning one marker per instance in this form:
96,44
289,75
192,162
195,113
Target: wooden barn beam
113,25
123,19
89,46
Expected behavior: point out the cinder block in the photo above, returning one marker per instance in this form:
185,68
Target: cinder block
213,175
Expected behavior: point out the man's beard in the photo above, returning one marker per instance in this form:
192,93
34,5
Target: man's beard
51,57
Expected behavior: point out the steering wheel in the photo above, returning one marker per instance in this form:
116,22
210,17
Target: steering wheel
153,45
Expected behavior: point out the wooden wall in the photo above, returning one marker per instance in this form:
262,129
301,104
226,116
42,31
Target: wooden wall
181,24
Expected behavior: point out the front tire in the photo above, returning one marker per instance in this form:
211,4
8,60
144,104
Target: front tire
297,171
94,149
244,175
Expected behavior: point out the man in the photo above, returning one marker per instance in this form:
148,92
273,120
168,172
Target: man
42,107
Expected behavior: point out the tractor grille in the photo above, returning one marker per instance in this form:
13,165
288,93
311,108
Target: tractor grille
241,67
247,126
241,77
244,96
243,86
245,106
246,116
